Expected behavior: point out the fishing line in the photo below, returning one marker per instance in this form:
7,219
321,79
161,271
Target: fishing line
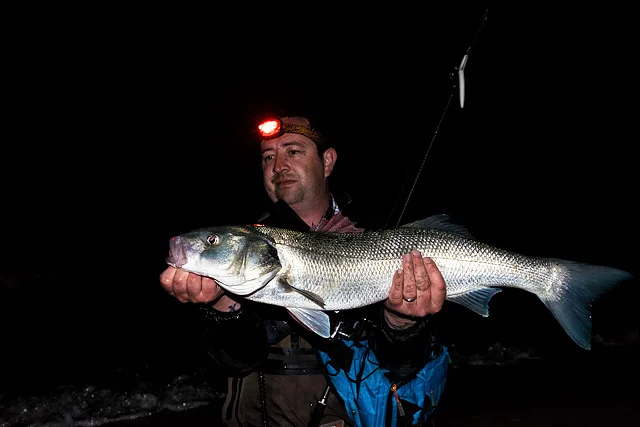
442,117
424,159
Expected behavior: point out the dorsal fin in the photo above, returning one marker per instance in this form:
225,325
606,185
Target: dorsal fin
441,222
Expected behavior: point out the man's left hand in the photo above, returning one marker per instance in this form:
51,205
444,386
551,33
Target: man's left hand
418,289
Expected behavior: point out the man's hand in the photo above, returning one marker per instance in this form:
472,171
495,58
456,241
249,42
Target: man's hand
190,287
417,290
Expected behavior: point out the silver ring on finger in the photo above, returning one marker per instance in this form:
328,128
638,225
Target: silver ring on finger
409,299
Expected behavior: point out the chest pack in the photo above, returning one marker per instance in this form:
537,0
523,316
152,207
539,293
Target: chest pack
363,384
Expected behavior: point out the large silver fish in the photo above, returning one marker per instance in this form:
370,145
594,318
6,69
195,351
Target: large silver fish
313,272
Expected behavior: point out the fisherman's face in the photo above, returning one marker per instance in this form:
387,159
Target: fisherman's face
292,169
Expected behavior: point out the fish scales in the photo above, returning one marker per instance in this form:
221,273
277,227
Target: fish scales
337,266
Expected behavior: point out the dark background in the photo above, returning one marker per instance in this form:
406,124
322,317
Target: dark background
125,128
131,127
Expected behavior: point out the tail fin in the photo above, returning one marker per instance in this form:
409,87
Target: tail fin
583,284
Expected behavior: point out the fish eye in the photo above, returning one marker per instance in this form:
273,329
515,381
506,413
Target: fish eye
213,239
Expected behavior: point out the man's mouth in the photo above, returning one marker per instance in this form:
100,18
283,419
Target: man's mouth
284,182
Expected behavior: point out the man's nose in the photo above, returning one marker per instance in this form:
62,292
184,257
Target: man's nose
280,163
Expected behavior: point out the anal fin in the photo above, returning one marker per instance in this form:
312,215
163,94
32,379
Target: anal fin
476,300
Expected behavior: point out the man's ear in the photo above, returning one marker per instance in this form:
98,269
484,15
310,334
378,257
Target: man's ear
329,158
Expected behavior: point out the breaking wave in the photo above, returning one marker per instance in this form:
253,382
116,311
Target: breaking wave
133,394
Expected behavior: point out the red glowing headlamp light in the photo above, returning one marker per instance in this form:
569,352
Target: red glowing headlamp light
273,128
270,128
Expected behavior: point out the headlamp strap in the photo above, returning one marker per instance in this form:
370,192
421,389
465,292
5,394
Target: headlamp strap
312,134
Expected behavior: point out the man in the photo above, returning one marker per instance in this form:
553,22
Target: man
277,376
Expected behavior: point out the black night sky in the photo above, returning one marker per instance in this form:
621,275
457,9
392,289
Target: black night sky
124,132
120,134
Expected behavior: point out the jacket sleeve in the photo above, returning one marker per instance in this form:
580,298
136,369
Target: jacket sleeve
235,342
403,352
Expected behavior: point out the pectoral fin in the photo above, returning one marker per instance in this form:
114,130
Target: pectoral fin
283,280
476,300
316,320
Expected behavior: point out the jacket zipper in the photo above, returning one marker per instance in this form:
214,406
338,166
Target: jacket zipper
399,407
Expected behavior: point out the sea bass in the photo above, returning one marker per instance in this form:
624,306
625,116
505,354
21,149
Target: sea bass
309,273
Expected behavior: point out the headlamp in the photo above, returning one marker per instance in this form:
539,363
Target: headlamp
270,129
274,128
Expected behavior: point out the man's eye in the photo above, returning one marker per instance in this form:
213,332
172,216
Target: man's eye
213,240
267,158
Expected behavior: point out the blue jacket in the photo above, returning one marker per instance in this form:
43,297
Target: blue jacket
360,389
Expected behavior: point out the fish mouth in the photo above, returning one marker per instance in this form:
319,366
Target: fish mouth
177,257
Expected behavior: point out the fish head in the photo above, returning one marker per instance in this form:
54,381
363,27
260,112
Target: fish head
239,258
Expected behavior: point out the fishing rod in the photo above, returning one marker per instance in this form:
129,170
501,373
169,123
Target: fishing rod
461,93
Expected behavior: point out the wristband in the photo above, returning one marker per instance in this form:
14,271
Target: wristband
219,316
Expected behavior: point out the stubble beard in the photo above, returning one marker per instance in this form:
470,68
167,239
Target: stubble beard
290,195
